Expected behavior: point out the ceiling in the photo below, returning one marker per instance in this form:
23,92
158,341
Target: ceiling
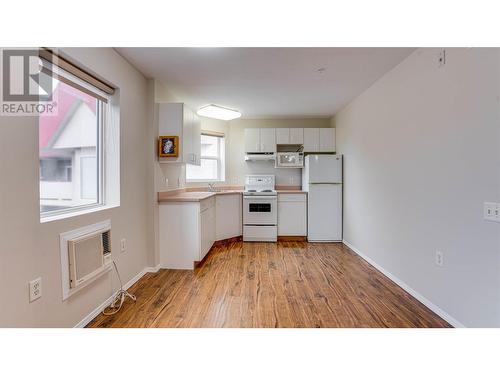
267,82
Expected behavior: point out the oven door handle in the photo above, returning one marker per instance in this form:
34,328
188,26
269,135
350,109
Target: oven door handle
262,197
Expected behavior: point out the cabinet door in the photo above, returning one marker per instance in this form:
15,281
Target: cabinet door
282,136
296,136
267,140
196,140
327,140
292,215
186,140
311,140
252,140
228,216
207,222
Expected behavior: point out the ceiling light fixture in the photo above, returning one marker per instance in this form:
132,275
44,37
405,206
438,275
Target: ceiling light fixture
218,112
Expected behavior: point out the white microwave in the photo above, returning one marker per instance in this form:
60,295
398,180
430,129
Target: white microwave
289,160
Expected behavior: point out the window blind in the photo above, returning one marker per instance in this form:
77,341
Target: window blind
66,66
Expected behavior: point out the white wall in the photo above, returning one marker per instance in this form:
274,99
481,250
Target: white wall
29,249
421,153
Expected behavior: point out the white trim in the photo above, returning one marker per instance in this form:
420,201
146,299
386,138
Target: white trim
443,314
77,212
107,302
153,269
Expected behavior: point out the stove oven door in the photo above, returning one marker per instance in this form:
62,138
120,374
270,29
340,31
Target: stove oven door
260,210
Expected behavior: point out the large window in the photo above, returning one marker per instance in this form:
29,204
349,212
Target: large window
70,146
212,160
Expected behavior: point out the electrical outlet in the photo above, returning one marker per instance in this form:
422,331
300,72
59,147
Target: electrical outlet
123,245
491,211
439,258
35,289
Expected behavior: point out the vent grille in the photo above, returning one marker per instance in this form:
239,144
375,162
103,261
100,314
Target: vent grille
106,244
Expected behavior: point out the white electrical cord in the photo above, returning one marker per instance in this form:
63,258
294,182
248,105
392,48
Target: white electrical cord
119,297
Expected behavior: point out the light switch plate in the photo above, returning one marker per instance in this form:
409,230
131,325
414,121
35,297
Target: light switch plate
35,289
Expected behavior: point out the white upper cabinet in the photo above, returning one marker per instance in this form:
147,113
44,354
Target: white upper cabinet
311,140
296,136
260,140
282,136
252,140
327,140
292,136
196,140
267,140
177,119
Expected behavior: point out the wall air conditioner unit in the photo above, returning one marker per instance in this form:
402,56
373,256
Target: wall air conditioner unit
260,157
85,255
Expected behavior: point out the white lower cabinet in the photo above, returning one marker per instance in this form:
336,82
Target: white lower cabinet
187,232
207,218
292,214
228,216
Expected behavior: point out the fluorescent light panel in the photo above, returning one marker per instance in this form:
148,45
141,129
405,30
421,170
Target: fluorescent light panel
218,112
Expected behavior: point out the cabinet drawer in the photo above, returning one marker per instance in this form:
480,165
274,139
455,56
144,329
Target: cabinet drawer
299,197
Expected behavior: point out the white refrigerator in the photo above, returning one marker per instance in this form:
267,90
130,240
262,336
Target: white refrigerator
322,179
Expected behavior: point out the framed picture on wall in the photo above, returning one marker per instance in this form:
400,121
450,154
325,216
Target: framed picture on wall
168,146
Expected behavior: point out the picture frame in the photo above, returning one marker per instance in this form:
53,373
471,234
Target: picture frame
168,146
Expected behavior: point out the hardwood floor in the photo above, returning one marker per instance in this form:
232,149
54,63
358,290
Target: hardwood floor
284,284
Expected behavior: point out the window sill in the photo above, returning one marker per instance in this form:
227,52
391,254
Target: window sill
76,212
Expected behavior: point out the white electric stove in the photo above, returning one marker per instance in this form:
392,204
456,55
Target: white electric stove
260,209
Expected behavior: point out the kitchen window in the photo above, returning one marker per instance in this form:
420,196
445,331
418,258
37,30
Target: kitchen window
212,168
72,146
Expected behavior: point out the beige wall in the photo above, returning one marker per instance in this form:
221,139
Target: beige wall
421,154
29,249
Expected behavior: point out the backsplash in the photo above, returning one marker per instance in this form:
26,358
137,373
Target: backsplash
283,176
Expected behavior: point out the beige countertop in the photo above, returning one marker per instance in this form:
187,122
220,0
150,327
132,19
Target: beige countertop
190,195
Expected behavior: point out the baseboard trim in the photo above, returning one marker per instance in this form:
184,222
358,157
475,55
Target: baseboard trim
108,301
443,314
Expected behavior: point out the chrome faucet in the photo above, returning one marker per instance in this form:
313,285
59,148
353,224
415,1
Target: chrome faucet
211,187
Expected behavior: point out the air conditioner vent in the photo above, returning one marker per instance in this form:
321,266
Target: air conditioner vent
106,244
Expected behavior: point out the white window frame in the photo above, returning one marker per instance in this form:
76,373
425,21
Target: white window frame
108,132
221,162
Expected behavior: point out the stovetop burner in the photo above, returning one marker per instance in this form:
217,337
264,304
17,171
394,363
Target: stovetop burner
259,185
